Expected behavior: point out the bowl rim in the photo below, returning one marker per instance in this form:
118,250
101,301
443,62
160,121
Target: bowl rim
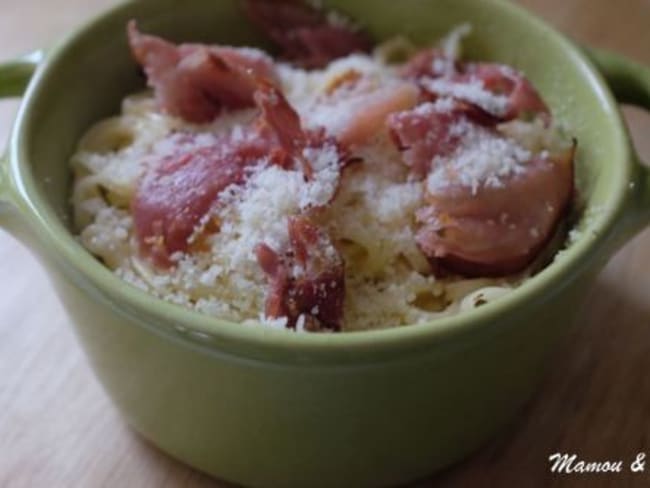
220,335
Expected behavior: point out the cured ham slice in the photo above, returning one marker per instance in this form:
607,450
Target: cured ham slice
369,111
284,121
497,89
196,82
242,207
354,108
177,191
498,230
491,204
281,118
522,99
306,35
430,63
306,282
182,186
432,129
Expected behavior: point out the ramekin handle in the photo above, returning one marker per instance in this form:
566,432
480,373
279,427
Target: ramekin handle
14,78
630,83
15,74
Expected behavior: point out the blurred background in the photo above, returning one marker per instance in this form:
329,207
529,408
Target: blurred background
57,428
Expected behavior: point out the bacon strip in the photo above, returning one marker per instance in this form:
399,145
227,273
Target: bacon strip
305,34
306,280
195,81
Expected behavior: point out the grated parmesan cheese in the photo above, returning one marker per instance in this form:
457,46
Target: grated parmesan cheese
483,159
473,91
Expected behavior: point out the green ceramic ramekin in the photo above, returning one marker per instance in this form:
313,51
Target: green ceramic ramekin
274,408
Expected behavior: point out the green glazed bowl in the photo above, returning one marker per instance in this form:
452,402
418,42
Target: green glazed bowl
274,408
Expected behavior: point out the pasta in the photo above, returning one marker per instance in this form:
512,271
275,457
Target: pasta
370,219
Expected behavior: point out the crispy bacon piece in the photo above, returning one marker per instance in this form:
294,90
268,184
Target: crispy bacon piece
306,280
305,34
497,230
195,81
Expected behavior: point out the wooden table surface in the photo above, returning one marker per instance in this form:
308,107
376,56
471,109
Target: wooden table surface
58,428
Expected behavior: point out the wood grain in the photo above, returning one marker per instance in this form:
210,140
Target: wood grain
58,428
